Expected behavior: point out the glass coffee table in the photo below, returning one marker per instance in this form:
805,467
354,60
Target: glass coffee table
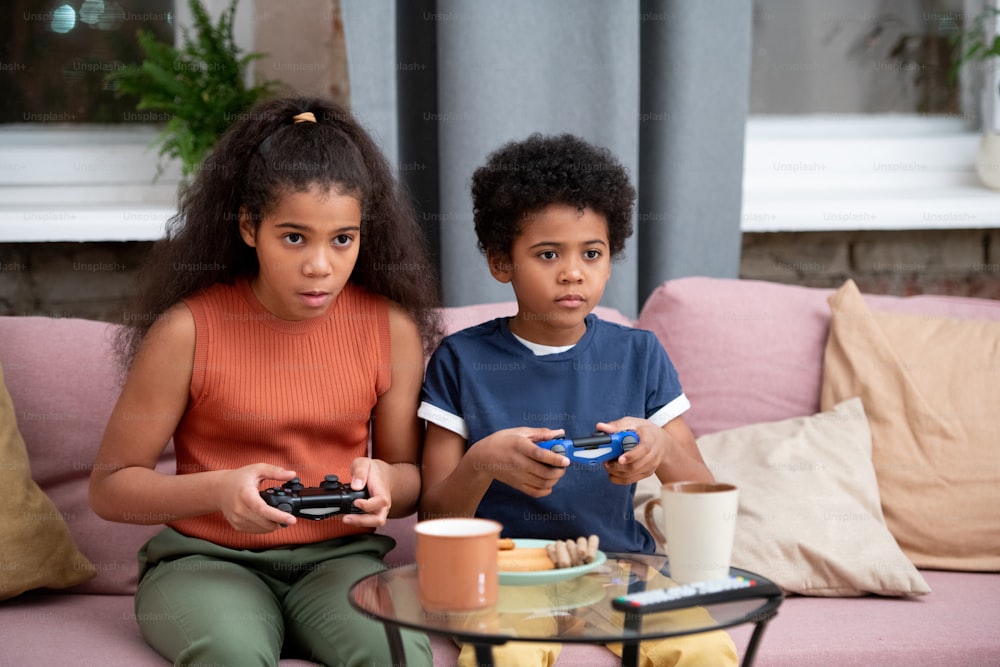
576,610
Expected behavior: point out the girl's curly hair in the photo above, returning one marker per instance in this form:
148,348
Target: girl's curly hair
523,177
262,156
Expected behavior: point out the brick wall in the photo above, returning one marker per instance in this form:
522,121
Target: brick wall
89,280
94,280
956,262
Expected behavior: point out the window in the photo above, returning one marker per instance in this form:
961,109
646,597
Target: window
855,121
57,58
854,56
78,165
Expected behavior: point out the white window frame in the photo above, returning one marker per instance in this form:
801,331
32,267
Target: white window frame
98,183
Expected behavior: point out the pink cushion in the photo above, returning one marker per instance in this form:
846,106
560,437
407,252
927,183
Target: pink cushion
819,632
101,630
954,625
750,351
62,380
79,630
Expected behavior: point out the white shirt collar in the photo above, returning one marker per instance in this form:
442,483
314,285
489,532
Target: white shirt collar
541,350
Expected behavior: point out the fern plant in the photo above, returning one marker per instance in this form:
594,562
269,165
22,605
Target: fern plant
200,86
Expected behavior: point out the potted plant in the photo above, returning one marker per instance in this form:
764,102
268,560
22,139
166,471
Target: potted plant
921,57
200,87
916,47
979,42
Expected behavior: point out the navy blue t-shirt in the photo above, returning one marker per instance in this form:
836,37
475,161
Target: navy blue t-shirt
483,379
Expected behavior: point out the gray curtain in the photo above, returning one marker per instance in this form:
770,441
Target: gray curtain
663,85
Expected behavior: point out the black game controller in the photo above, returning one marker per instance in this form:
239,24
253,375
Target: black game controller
328,499
595,448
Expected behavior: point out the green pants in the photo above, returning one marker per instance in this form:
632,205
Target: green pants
200,604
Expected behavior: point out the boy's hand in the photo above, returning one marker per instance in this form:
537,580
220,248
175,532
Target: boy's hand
240,501
512,456
376,475
642,460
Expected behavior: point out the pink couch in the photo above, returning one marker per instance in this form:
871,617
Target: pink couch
747,352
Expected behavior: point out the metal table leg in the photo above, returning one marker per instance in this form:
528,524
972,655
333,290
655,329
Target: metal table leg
630,649
396,649
758,632
484,655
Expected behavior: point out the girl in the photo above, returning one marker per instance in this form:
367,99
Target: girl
282,323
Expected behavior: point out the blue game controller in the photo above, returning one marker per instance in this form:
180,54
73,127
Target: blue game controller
596,448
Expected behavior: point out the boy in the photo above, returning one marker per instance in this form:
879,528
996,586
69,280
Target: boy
550,215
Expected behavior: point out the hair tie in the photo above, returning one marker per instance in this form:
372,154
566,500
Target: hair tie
304,117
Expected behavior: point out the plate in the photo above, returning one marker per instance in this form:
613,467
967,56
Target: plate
541,577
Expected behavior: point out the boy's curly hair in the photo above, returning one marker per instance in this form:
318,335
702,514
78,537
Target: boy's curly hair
523,177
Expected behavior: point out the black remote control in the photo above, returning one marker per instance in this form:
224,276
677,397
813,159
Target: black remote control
696,594
328,499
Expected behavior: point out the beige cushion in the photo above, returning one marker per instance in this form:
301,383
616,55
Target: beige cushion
931,391
36,546
809,516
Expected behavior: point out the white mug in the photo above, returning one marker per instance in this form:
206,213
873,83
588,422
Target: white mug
699,524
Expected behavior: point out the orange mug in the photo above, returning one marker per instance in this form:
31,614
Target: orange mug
457,564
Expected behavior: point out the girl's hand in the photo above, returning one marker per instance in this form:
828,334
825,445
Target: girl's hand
377,476
512,456
240,501
642,460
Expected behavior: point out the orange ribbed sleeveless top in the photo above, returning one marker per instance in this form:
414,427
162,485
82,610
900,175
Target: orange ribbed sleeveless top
293,394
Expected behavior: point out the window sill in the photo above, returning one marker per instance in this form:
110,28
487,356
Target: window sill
90,184
51,224
836,173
